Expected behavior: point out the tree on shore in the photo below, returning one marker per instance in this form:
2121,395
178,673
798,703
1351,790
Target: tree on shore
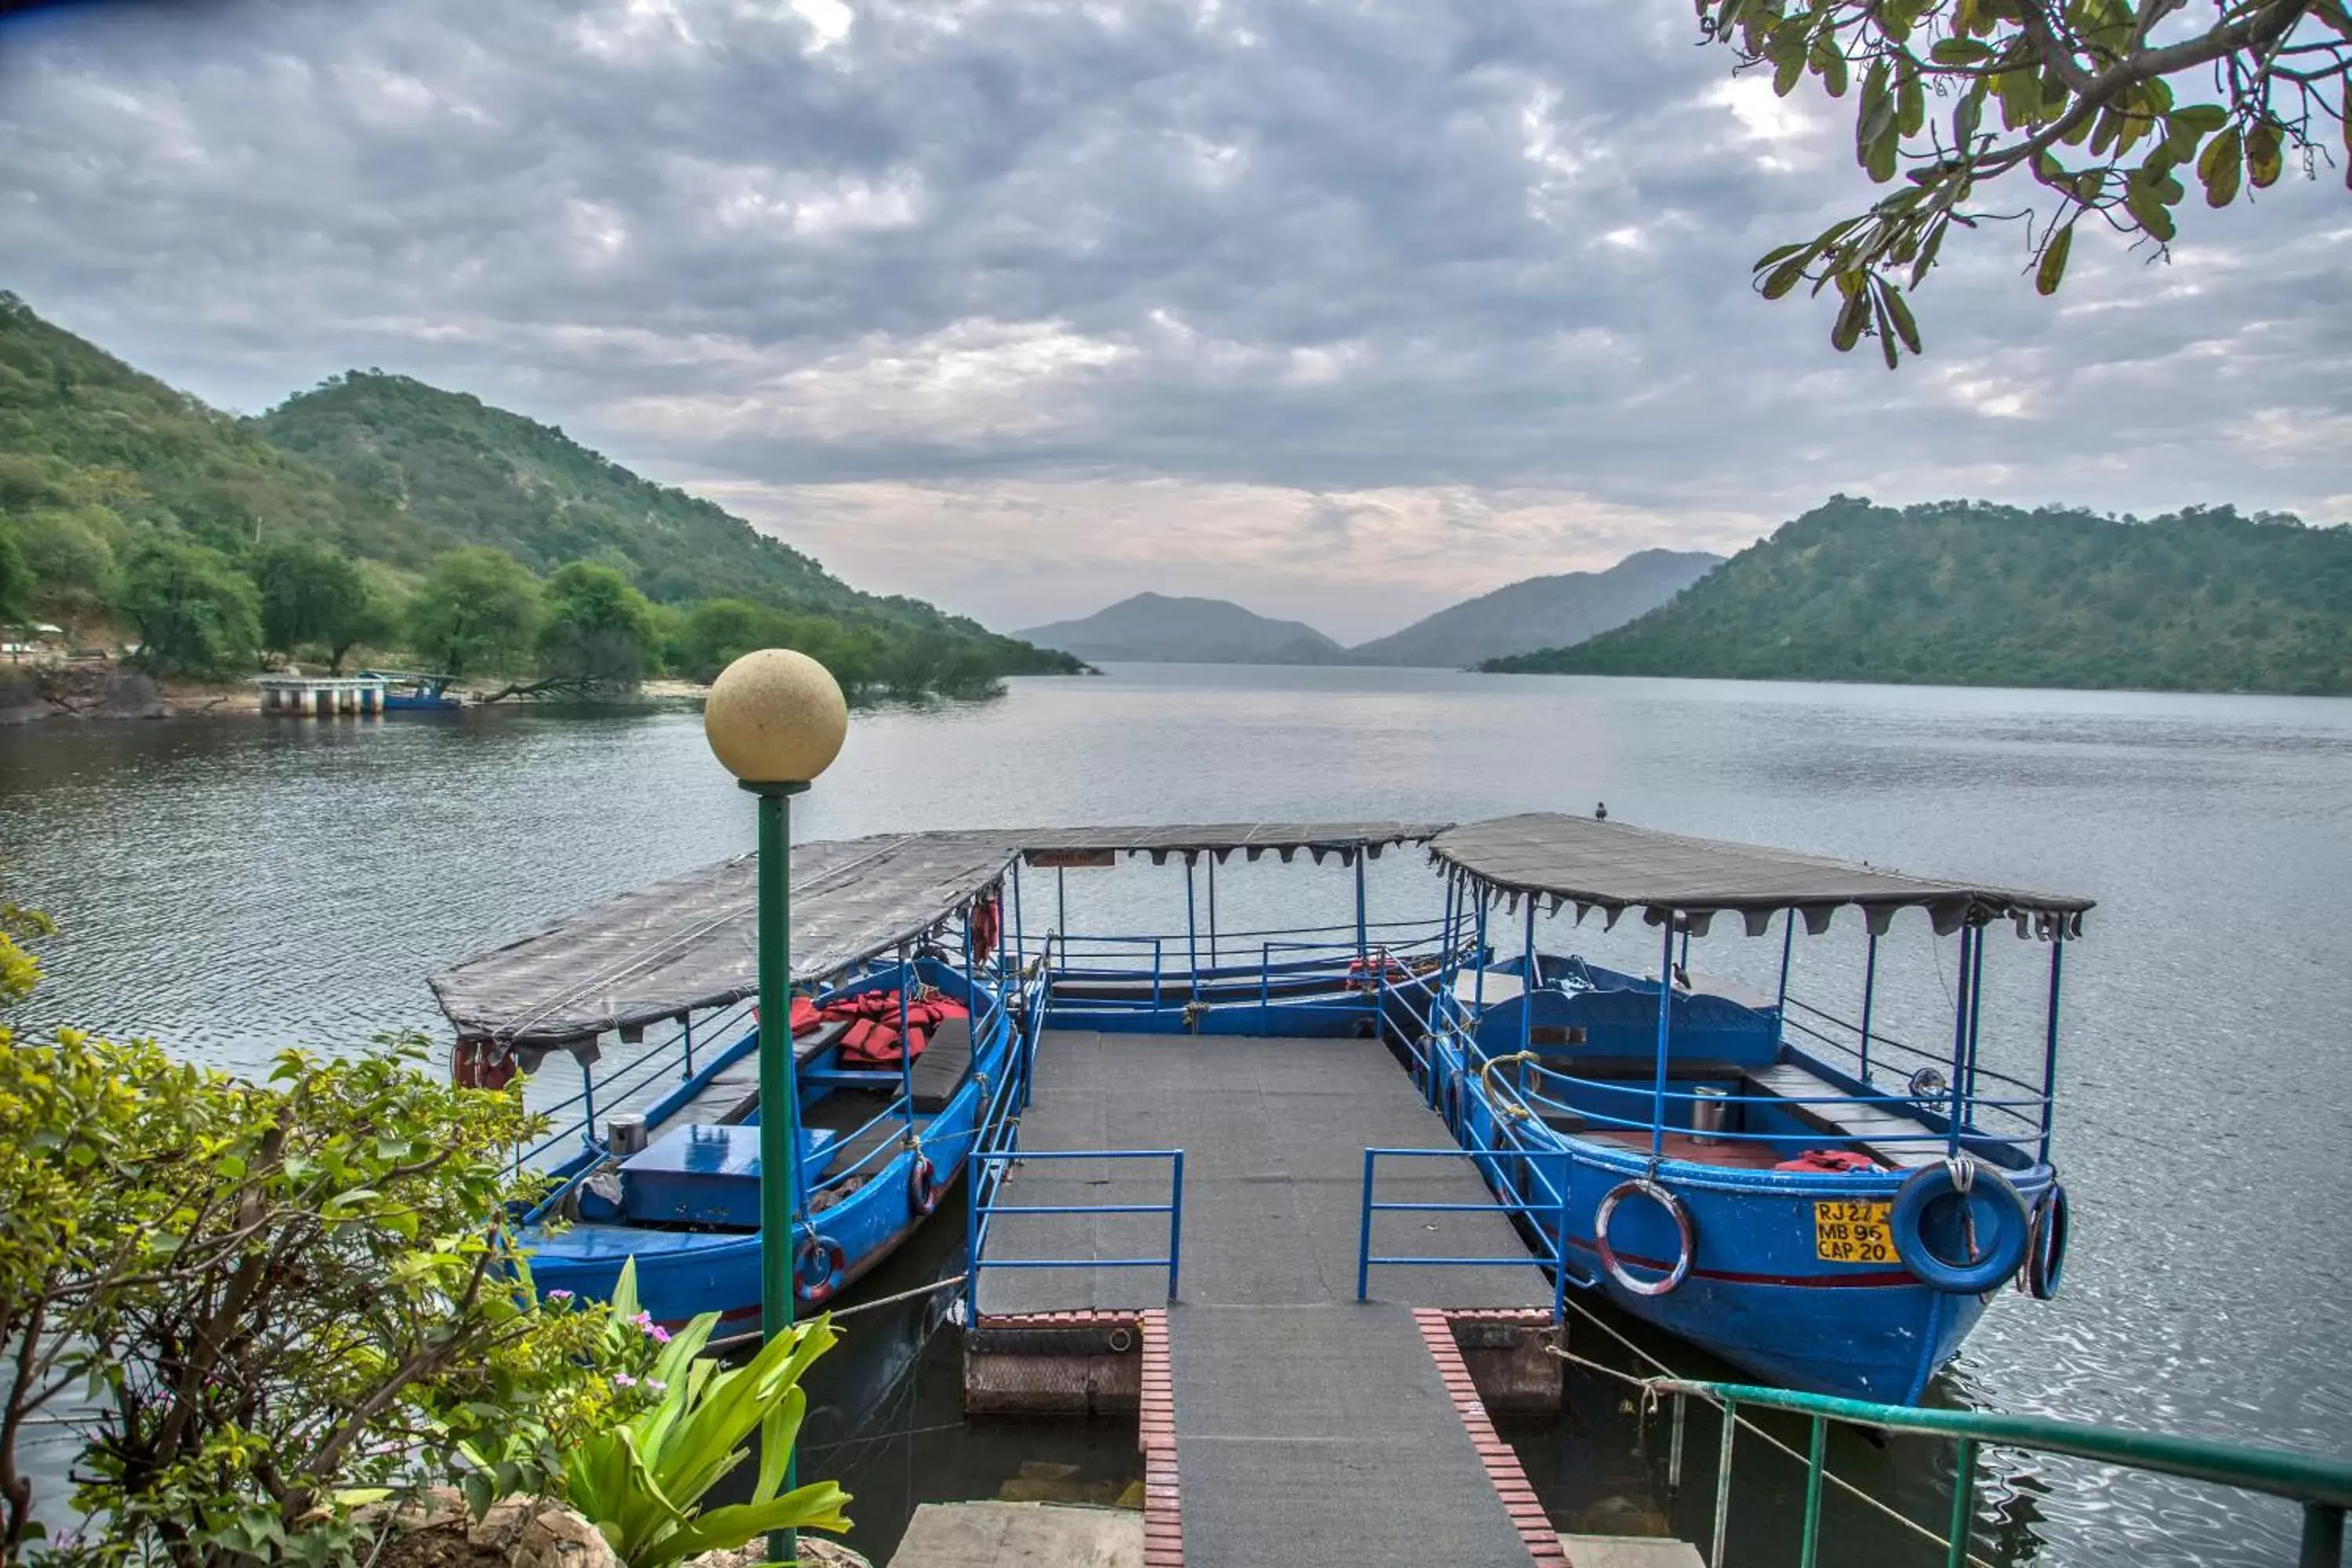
311,596
2088,108
476,612
16,577
195,612
596,633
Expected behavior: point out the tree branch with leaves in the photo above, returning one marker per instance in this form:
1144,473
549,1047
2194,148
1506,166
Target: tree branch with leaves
2088,103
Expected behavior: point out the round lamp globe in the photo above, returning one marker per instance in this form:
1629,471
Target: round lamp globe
775,717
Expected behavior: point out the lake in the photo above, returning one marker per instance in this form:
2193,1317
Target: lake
233,886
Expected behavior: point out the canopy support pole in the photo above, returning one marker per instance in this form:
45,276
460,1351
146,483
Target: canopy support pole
1781,1001
905,1057
1528,992
1192,936
2049,1049
1478,986
1976,1019
1019,932
1969,939
1212,911
1062,904
1363,943
1665,1028
1869,995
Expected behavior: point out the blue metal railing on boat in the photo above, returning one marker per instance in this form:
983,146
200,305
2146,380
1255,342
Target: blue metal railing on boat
1553,1240
984,1210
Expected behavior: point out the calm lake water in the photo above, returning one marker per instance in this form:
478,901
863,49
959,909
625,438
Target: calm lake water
232,887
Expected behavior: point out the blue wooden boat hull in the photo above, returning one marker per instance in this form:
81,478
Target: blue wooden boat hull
1757,1294
683,1273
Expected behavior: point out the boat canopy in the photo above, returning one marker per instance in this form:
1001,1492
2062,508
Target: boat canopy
691,942
1102,845
1593,864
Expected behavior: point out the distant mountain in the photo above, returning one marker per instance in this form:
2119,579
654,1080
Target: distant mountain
1966,594
1541,611
1152,628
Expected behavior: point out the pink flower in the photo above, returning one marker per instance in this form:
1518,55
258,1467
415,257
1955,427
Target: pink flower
654,1331
655,1386
559,1295
623,1380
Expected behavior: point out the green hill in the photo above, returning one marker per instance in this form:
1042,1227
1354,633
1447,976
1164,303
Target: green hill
1966,594
99,461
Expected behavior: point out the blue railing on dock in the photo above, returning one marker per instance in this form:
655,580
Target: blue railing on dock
984,1210
1552,1209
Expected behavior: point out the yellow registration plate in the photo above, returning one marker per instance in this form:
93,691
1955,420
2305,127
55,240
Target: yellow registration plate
1852,1233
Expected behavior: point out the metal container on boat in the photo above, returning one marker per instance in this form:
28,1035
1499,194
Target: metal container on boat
1710,1113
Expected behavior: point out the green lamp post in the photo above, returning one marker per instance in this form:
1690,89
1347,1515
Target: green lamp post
775,719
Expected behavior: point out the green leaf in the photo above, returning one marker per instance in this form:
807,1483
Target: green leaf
2262,155
1911,105
2147,208
1885,334
1850,322
1787,72
1900,309
1958,51
2218,166
1833,70
1785,276
2047,276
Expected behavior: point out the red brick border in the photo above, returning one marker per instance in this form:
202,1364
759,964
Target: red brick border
1163,1512
1502,1466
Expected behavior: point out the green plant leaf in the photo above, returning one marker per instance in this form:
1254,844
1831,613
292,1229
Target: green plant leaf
817,1506
2053,270
2263,160
2218,166
1900,309
1851,320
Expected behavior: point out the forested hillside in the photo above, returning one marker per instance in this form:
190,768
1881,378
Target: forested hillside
378,513
1962,592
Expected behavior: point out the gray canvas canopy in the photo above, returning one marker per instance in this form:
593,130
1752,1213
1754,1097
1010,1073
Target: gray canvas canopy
691,942
1591,864
1100,846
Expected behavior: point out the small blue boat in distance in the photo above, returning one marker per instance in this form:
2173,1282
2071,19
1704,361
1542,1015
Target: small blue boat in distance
407,691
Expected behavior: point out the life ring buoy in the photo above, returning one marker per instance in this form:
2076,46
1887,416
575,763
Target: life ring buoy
923,1185
2045,1250
1991,1261
1685,1237
817,1289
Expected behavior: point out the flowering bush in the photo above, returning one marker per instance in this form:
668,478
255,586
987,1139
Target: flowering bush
254,1303
673,1424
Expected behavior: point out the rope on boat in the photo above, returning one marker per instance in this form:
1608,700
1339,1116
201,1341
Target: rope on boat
1651,1393
753,1336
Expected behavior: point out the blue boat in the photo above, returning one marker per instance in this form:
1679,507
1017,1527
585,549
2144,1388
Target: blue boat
657,1157
406,691
1790,1187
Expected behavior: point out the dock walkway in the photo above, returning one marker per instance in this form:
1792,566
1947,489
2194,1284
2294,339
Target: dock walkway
1310,1428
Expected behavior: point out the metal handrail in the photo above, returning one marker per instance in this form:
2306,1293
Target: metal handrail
983,1210
1556,1254
2323,1486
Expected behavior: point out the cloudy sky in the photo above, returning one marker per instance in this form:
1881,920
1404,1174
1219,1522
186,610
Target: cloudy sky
1342,311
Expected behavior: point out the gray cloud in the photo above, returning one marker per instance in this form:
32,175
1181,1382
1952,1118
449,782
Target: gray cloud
1407,298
